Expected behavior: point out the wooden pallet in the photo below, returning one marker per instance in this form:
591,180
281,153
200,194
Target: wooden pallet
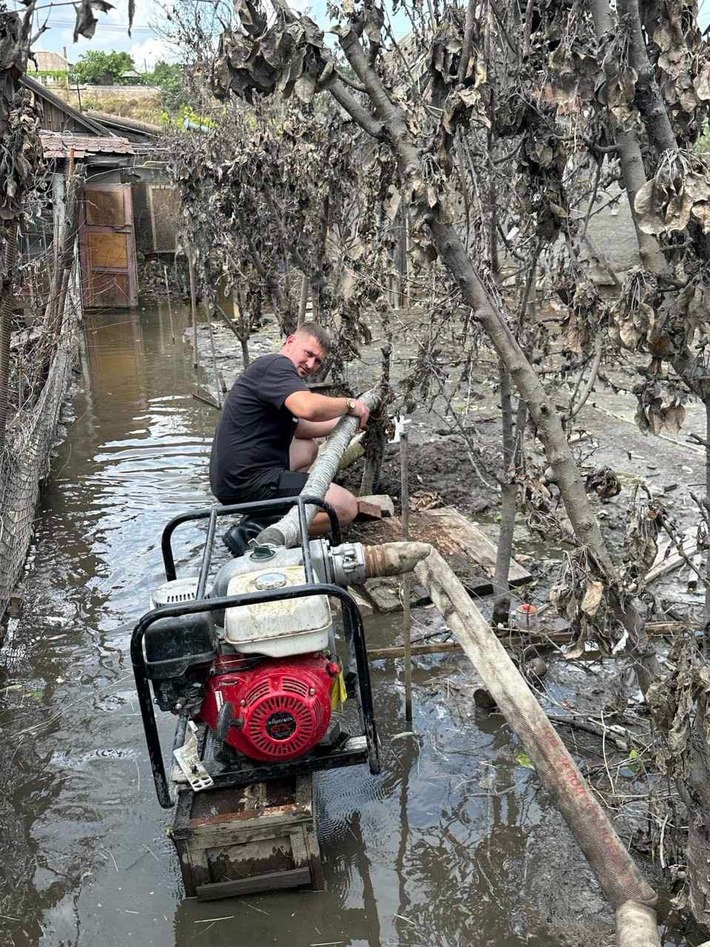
469,552
241,841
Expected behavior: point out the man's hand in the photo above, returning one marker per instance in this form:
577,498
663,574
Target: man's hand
360,410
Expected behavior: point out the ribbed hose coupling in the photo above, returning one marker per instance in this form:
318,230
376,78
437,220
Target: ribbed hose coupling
353,563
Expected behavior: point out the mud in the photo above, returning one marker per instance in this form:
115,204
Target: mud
453,843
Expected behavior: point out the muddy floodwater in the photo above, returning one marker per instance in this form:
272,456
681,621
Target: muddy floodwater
452,844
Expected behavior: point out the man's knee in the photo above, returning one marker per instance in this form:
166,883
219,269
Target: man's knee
347,508
311,451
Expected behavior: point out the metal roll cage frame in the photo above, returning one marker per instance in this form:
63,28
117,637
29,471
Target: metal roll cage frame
352,627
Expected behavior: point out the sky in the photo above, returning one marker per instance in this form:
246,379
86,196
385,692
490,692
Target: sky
146,45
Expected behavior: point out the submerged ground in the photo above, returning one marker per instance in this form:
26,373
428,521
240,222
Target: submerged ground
453,843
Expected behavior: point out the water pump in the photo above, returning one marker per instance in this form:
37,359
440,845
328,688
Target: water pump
249,662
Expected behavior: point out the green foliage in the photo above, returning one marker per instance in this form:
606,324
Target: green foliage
169,77
58,74
186,117
99,68
702,145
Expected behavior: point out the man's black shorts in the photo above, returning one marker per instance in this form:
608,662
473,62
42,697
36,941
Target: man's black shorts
288,484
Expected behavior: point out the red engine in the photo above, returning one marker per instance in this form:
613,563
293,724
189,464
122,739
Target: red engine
278,710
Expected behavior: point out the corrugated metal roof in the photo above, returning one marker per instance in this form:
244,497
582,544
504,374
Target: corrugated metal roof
43,93
56,145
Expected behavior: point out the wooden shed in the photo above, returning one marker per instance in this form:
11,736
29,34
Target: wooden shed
128,202
106,237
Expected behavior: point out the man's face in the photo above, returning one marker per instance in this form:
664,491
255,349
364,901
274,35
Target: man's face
305,352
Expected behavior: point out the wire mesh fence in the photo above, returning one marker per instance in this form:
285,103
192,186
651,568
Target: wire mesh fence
24,462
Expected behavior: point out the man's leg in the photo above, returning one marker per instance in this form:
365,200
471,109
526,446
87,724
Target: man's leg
344,504
302,453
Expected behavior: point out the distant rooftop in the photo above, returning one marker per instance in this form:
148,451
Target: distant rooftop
58,145
48,62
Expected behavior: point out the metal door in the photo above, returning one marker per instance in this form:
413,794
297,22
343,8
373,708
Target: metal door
108,250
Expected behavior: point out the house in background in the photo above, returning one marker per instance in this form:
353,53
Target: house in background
49,68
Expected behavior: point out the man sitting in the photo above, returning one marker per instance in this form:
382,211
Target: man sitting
265,438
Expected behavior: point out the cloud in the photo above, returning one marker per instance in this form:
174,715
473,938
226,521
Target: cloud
146,54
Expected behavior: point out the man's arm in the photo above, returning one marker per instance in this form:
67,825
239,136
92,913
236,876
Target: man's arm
311,429
309,406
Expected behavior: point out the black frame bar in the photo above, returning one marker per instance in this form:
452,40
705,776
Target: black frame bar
214,512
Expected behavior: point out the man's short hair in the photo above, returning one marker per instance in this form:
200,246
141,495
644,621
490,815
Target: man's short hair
316,332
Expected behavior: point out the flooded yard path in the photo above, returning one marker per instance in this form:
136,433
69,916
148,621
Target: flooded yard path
450,845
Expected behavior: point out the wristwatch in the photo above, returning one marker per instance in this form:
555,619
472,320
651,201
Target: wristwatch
350,402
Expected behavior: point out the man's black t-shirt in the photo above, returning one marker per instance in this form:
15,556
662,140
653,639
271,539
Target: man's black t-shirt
253,436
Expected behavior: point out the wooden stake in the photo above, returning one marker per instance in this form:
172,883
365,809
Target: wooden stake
303,302
620,879
170,307
406,578
442,647
193,306
217,382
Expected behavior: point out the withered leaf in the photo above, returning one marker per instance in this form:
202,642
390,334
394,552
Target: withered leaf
592,598
85,20
305,88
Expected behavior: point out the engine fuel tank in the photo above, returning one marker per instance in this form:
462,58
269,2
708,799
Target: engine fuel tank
280,628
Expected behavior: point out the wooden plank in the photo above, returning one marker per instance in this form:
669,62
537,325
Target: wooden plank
274,881
466,548
441,647
669,558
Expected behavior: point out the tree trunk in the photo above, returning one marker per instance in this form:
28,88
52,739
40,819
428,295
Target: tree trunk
706,610
67,237
193,306
374,452
696,794
542,410
9,274
694,781
303,302
630,157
